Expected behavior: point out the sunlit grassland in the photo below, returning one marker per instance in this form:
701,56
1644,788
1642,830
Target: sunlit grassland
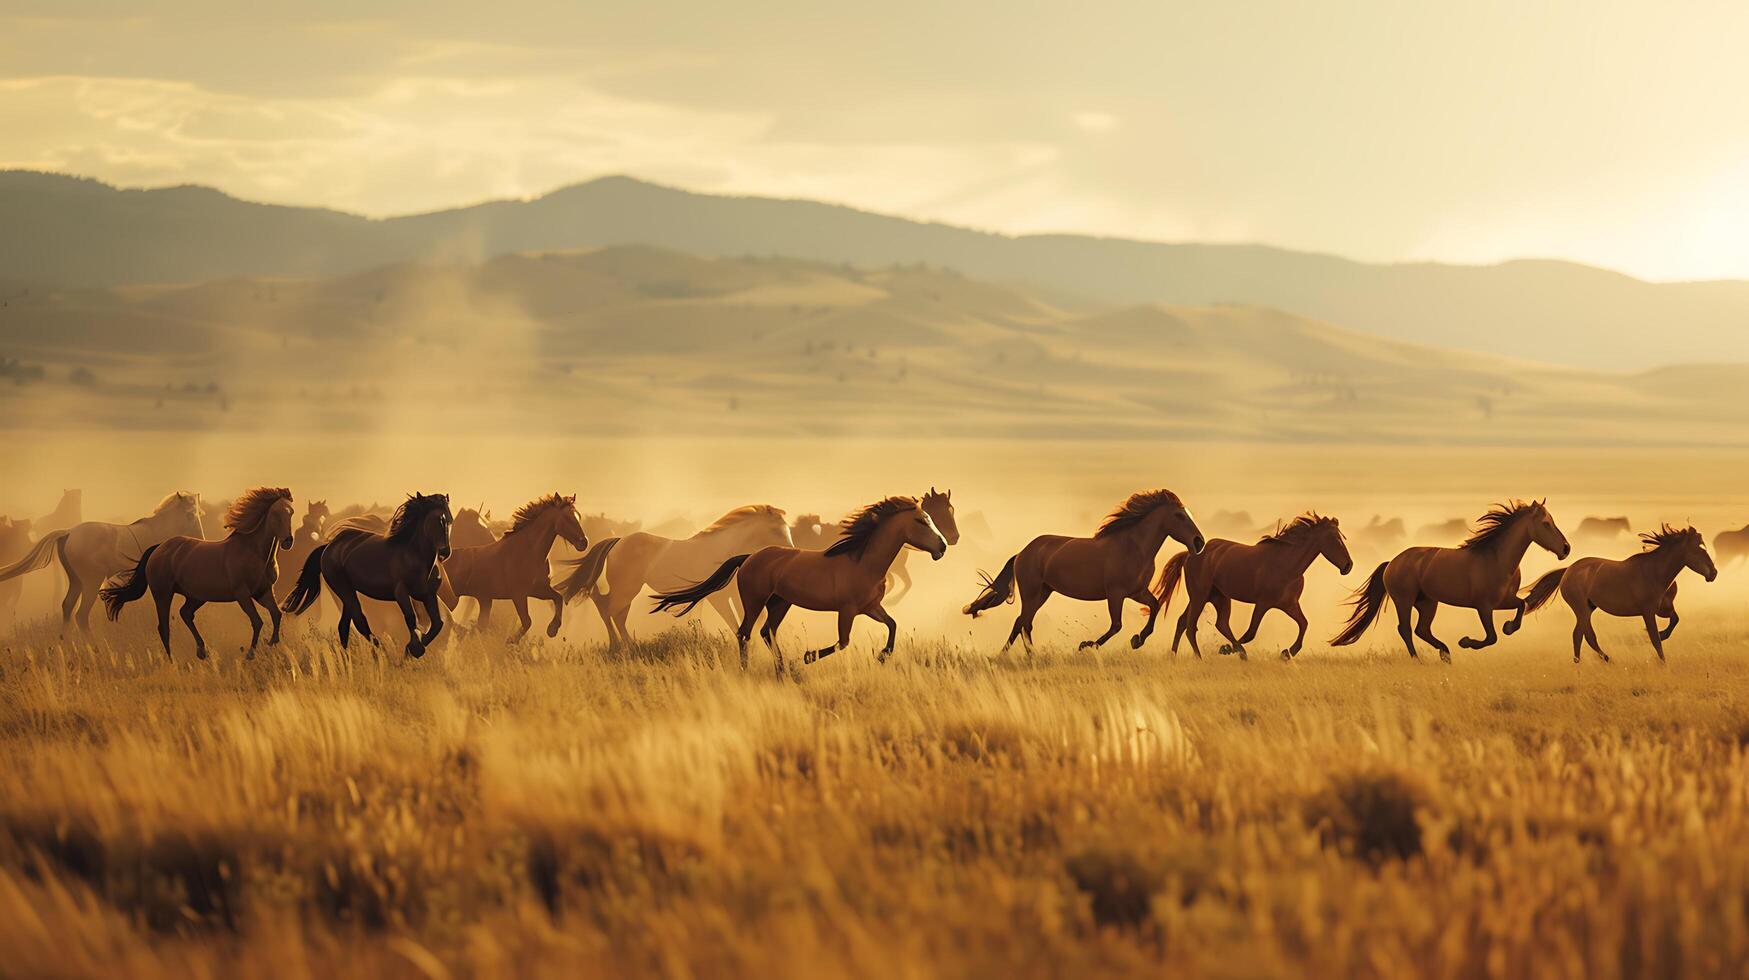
489,811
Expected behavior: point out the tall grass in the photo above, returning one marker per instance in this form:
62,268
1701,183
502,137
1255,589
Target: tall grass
496,810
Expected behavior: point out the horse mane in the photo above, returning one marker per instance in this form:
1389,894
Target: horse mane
1492,526
1669,537
1297,528
411,512
741,515
535,508
1131,511
168,502
858,529
248,511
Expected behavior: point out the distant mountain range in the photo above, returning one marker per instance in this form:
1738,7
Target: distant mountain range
77,232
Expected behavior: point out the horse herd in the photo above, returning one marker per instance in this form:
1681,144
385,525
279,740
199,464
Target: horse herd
420,559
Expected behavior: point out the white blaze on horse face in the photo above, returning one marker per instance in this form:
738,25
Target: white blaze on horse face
931,522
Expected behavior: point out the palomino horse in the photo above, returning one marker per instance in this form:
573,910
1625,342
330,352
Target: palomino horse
400,565
1642,585
1480,574
1732,545
241,568
849,578
93,551
811,535
14,544
1115,565
615,571
515,567
1269,574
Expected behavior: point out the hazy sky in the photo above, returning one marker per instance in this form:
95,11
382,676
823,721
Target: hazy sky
1613,133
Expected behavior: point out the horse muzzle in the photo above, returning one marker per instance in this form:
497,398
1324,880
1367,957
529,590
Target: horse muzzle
1197,544
1349,567
285,543
443,553
938,554
1566,550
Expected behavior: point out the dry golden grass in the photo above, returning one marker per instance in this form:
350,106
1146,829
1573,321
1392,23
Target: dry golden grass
544,809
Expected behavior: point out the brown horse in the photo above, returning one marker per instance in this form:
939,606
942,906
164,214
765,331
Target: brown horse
1732,545
400,565
515,567
1269,574
1480,574
616,571
812,535
473,529
1115,565
849,578
1642,585
241,568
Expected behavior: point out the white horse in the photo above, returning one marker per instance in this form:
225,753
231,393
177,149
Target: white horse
617,570
93,551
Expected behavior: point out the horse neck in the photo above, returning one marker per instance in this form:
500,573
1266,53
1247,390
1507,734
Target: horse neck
1299,555
1149,535
256,541
1665,563
159,524
1516,541
883,547
535,539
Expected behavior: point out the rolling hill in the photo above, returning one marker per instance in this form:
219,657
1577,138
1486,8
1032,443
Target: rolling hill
83,233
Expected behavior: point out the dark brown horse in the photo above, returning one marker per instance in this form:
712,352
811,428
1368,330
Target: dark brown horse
399,564
515,567
812,535
1642,585
849,578
1114,565
1269,574
241,568
1480,574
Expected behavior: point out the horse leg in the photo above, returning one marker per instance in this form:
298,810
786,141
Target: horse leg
903,577
845,619
1114,607
1515,604
74,589
879,614
434,613
1668,611
1486,612
1425,610
265,598
1299,618
189,606
1591,632
1238,647
545,590
1224,623
1404,631
1652,631
520,604
1146,598
87,599
162,601
775,610
248,605
404,600
1029,606
1188,622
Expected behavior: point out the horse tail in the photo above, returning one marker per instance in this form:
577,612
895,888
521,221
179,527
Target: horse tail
683,600
128,589
309,586
1369,600
39,556
996,591
586,571
1167,582
1542,590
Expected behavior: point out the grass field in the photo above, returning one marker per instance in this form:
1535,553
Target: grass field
489,812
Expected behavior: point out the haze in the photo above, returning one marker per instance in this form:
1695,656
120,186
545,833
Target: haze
1612,134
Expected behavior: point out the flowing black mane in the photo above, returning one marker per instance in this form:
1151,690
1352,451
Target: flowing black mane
1139,505
1492,526
412,512
535,508
1298,528
859,528
1669,537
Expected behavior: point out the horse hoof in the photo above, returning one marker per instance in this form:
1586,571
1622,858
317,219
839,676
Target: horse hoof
1137,641
415,650
810,657
1288,654
1445,656
200,654
1087,645
1510,628
250,654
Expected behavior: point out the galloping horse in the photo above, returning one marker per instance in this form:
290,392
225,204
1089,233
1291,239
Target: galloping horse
93,551
1480,574
615,571
400,565
241,568
1732,545
1269,574
14,544
812,535
1115,565
849,578
1642,585
515,566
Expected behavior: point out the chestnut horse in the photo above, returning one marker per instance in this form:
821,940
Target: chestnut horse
93,551
515,567
1642,585
849,578
1480,574
1115,565
398,564
241,568
812,535
615,571
1269,574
